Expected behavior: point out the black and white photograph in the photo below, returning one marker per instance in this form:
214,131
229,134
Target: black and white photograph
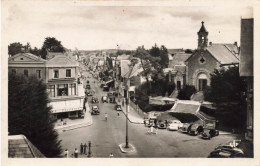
102,80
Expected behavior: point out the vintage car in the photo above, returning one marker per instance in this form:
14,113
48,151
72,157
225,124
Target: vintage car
87,86
175,125
209,133
94,100
162,125
195,129
94,110
185,127
104,99
118,107
106,88
228,150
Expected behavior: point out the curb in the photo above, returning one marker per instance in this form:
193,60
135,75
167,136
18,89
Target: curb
128,117
123,151
76,126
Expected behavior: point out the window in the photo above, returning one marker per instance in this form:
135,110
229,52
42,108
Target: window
39,74
26,73
21,58
13,71
51,89
56,73
73,89
68,72
62,90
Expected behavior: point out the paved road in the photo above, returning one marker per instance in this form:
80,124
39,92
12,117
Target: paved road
107,135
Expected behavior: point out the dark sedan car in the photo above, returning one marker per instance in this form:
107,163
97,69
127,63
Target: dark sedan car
95,100
209,133
195,129
225,152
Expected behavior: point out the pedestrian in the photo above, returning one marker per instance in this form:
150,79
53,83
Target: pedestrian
111,155
66,153
76,153
117,113
144,122
61,121
151,129
72,156
166,123
106,116
84,148
81,148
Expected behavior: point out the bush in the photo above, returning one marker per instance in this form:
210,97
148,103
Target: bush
186,92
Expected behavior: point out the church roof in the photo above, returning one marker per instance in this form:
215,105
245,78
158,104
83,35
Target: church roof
222,53
179,59
202,29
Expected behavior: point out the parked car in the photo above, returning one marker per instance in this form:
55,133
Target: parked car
175,125
104,99
106,88
118,107
94,110
87,86
209,133
81,114
102,85
226,151
161,125
195,129
94,100
185,127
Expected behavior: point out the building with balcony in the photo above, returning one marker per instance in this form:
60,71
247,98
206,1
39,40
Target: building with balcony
60,74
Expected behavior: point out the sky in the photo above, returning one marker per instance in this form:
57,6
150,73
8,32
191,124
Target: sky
104,27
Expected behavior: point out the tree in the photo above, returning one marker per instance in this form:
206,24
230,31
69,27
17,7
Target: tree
15,48
186,92
164,57
225,86
51,44
28,114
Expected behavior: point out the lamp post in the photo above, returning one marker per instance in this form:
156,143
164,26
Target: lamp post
127,102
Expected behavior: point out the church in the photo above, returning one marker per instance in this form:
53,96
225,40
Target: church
207,58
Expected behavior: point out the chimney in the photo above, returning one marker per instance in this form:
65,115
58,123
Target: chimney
210,43
235,43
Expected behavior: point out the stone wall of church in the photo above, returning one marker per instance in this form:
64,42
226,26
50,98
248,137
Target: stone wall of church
197,65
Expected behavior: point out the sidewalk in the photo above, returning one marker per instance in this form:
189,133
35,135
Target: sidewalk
133,116
75,123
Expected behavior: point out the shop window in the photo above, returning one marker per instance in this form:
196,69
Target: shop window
68,72
62,90
26,73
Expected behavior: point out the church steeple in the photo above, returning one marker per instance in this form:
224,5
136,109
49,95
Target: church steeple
202,37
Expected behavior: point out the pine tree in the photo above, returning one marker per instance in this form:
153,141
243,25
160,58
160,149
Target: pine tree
28,114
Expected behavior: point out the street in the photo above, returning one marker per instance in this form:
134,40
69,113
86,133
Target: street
105,136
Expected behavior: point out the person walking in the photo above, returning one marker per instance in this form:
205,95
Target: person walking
118,114
151,129
106,116
81,148
66,153
76,153
111,155
84,148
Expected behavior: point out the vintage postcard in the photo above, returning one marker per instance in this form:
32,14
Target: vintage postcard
129,82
